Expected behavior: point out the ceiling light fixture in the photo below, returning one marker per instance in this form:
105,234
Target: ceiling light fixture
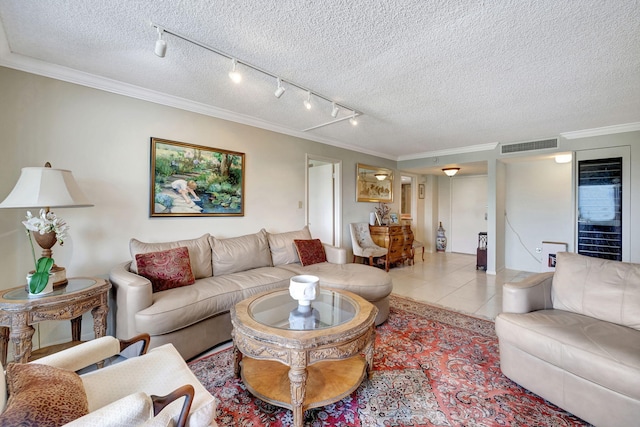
234,75
450,171
307,102
563,158
280,90
381,176
163,30
353,120
161,45
334,110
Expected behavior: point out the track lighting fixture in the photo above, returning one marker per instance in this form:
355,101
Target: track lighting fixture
280,90
234,75
307,102
334,110
161,45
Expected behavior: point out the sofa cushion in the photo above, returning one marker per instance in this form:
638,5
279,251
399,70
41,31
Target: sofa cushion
598,351
240,253
42,395
199,253
603,289
283,251
310,251
178,308
371,283
166,269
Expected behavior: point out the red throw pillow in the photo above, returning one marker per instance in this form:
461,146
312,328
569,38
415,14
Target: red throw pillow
310,251
166,269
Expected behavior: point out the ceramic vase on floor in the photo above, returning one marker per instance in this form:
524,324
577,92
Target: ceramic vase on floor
441,239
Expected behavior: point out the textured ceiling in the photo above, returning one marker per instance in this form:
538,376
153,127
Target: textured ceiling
429,76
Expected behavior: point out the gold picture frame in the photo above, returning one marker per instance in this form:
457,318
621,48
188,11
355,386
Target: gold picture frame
374,184
194,180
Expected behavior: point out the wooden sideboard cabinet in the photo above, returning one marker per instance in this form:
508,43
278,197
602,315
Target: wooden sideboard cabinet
398,239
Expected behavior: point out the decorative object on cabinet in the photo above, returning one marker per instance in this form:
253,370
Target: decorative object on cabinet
441,239
397,239
481,258
193,180
374,184
363,245
393,218
382,213
46,187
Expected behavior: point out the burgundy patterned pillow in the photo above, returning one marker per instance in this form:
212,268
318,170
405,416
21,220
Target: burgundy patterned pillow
310,251
166,269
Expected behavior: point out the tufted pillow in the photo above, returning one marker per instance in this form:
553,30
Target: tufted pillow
166,269
199,253
43,396
310,251
283,251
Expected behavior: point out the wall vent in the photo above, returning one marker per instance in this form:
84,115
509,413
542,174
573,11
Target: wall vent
529,146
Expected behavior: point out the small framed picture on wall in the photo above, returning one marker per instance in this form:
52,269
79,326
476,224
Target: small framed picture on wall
421,191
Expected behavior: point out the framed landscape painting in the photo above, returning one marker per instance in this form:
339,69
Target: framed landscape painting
374,184
194,180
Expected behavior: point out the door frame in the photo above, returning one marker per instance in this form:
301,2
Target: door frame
337,194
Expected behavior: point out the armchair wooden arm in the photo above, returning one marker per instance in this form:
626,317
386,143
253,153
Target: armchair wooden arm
160,402
142,337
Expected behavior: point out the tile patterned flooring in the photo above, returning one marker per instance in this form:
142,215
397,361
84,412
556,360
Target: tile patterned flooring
451,280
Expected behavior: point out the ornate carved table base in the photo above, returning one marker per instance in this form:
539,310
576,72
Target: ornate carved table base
303,369
18,313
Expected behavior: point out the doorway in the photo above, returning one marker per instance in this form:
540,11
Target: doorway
323,199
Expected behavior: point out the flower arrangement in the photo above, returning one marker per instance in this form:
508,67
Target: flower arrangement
46,223
383,212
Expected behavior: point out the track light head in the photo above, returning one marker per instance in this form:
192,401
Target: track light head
234,75
307,102
280,90
334,110
354,119
161,45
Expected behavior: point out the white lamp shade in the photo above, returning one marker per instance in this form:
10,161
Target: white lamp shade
44,187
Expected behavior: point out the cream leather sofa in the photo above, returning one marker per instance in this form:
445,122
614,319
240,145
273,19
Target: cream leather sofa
573,337
195,318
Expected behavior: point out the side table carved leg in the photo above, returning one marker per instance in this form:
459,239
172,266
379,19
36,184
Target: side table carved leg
4,344
369,350
99,320
21,335
237,357
298,380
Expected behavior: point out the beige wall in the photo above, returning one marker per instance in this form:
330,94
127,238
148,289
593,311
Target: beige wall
104,139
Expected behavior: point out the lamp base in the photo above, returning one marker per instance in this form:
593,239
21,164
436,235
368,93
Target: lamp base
59,275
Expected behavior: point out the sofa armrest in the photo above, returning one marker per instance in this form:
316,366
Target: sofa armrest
531,294
335,255
133,294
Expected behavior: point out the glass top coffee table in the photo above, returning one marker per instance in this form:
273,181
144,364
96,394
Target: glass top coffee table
301,357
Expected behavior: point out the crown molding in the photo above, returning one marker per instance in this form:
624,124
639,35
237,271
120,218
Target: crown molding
452,151
30,65
606,130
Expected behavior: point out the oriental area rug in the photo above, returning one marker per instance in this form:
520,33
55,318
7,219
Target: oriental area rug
432,367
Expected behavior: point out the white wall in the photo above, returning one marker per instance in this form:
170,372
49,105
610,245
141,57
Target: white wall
538,208
103,138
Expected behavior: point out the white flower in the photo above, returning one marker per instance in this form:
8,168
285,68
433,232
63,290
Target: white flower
47,222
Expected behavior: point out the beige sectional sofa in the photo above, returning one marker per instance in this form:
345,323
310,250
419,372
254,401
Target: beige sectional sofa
573,337
195,318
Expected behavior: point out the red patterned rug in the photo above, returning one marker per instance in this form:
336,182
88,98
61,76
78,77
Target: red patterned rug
432,367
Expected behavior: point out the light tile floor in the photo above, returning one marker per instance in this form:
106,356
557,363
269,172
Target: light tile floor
451,280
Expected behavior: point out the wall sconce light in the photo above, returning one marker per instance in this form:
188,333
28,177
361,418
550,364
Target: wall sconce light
450,171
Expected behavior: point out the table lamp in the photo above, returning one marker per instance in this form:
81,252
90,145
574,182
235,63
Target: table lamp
45,187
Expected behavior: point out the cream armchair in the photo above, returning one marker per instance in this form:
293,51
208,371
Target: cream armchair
145,390
363,245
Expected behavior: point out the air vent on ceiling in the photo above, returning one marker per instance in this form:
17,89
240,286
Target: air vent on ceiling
529,146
